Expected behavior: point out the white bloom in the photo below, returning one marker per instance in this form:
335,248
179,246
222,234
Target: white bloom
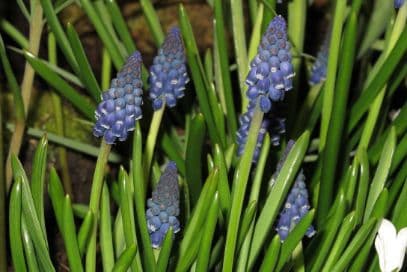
390,246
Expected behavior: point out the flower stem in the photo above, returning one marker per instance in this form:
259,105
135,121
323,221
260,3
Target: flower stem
151,140
97,185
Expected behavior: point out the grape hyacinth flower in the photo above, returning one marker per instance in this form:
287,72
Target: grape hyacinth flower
270,75
121,103
168,74
271,70
398,3
318,70
163,207
295,208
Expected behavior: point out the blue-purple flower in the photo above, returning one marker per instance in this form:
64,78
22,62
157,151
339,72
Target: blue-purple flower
398,3
271,70
168,74
318,70
121,103
163,207
296,205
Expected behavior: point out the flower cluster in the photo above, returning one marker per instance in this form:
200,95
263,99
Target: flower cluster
168,74
163,207
398,3
270,75
297,204
318,71
271,70
295,208
120,105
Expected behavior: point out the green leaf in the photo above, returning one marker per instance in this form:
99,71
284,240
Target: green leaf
85,231
372,89
193,157
379,19
56,193
247,221
381,174
70,239
102,30
354,246
208,236
125,259
294,238
277,195
28,247
86,73
121,26
57,30
199,215
106,240
152,21
61,86
37,233
222,67
12,81
165,252
197,77
272,255
14,33
38,178
140,199
223,185
362,186
17,251
345,232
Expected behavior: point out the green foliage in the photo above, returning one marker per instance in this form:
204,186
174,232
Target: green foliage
353,155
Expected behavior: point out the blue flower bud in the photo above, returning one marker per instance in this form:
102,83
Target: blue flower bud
168,75
163,207
121,104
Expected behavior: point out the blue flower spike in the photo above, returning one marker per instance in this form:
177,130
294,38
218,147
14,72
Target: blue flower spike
297,203
163,207
398,3
121,103
318,70
271,70
168,74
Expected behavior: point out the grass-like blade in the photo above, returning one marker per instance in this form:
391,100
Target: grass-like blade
86,73
223,185
272,255
70,238
277,195
56,193
28,247
208,236
120,25
125,259
17,250
152,21
381,174
38,178
165,252
61,86
84,232
193,157
294,238
14,33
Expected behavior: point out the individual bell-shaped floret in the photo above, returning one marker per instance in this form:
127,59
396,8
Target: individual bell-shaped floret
168,74
295,208
163,207
121,104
